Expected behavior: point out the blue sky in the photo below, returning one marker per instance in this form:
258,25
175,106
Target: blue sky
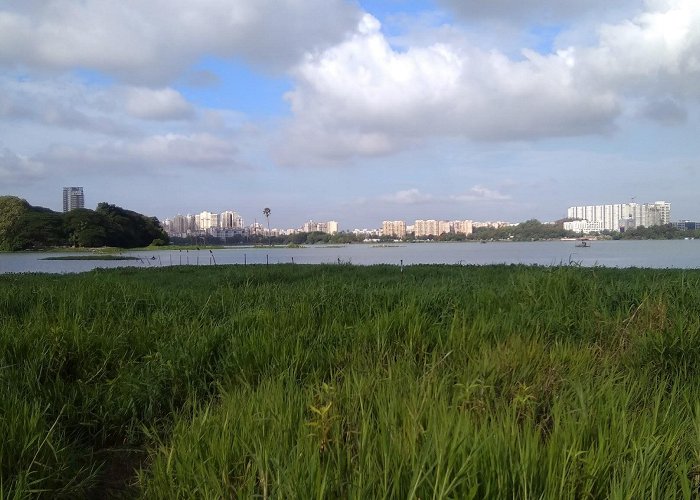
356,111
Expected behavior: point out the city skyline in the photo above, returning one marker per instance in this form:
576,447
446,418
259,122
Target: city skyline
387,110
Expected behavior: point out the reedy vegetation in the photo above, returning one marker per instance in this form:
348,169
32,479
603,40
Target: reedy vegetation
361,382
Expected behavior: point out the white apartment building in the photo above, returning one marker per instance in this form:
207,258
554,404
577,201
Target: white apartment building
584,226
330,227
612,217
493,224
207,220
422,228
430,227
395,228
462,226
178,225
230,220
367,232
183,225
73,197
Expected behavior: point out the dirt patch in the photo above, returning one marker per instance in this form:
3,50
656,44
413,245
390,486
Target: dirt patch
117,478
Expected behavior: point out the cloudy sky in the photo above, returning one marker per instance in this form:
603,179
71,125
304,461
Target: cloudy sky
353,110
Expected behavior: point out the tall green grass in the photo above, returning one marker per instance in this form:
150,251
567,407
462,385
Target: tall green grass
352,382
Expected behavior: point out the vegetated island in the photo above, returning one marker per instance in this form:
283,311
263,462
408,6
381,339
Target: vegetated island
26,227
93,257
350,382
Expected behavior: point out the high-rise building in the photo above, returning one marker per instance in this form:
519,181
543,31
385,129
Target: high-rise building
73,198
330,227
207,220
619,216
462,226
424,228
230,220
394,228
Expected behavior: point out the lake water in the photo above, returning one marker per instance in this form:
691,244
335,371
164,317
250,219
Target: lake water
654,254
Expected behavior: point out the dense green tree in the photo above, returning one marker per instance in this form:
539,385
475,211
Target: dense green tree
530,230
128,229
665,232
11,209
24,227
86,228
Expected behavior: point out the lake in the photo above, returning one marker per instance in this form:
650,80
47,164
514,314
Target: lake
654,254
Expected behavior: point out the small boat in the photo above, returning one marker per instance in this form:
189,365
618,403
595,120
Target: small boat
583,244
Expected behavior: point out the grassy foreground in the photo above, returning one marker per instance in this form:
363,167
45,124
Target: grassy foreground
353,382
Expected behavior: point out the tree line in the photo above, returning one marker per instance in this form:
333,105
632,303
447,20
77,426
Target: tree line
27,227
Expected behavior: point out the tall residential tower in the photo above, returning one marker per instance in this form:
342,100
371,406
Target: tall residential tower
73,198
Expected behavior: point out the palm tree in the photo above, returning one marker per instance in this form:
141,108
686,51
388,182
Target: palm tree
266,213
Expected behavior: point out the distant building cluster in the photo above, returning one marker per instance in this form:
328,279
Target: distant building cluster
330,227
617,217
686,225
394,228
423,228
229,224
224,224
73,197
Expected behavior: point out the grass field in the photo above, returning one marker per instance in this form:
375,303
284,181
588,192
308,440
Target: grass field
351,382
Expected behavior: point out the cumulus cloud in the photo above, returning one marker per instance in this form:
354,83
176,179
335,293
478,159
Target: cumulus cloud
415,196
363,97
157,104
541,11
149,154
408,197
152,42
363,88
121,129
665,111
16,169
61,104
481,193
655,52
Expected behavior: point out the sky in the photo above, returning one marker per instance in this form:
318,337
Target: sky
352,110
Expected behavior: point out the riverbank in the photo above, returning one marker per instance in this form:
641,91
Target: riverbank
347,381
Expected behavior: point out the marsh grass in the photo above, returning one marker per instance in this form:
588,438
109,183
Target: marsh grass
354,382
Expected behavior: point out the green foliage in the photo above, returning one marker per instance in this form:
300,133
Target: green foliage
667,232
296,381
86,228
131,228
300,238
24,227
531,230
11,209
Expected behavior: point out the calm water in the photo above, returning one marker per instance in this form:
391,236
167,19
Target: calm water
657,254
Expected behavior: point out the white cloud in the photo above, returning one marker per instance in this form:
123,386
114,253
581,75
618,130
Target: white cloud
148,154
665,111
363,97
16,169
59,104
481,193
364,88
159,104
541,11
408,197
152,42
657,52
416,197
